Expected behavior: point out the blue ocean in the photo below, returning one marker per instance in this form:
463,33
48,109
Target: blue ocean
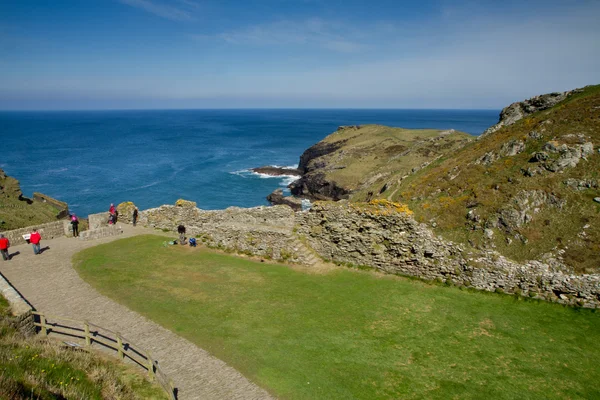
93,158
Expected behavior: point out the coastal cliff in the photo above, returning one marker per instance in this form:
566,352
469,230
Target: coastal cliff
355,162
18,211
529,187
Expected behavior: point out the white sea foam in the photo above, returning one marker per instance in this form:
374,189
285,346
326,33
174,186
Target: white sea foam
143,186
285,180
244,173
57,170
284,166
149,185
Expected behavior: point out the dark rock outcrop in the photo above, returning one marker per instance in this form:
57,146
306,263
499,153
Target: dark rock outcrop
312,184
316,187
277,198
519,110
315,151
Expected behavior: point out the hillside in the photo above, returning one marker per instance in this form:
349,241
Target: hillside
529,187
526,188
356,160
17,211
38,368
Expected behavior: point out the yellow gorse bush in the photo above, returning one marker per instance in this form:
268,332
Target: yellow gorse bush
382,207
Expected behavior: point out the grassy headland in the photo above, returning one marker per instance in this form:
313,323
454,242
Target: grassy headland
19,212
526,190
361,159
352,334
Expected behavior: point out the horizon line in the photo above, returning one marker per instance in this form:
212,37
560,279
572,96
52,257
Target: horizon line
247,109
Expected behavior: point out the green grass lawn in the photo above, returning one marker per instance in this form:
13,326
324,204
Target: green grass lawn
347,334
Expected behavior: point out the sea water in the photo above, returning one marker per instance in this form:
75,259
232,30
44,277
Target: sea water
93,158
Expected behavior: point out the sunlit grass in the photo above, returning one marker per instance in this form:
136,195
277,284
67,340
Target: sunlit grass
39,369
352,334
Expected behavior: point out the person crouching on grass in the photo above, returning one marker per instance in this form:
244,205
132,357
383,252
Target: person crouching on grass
35,239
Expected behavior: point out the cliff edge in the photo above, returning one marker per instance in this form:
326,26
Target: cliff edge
356,162
18,211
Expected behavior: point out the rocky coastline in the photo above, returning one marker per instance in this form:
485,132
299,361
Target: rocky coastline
272,170
374,229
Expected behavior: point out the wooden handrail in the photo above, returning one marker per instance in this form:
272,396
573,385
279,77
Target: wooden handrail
120,344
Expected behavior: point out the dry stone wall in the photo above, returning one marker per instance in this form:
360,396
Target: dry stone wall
384,236
394,242
99,220
21,310
110,230
49,230
260,231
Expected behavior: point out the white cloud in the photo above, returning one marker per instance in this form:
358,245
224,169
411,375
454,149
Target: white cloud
484,62
309,32
162,10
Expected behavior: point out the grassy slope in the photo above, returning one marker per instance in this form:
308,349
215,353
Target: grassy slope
374,152
18,213
37,369
434,195
352,334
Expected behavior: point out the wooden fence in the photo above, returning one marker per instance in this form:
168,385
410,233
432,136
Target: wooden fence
93,334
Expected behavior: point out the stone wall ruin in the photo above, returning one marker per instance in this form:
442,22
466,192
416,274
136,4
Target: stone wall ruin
381,235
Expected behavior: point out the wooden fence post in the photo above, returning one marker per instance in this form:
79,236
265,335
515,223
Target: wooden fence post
86,326
150,366
120,346
43,323
172,390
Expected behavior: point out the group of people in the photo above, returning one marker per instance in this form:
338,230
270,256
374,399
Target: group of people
114,214
34,238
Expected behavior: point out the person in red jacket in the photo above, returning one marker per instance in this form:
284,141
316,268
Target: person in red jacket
35,239
4,245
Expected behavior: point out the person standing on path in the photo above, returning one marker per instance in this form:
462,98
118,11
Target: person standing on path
35,239
75,223
135,216
4,245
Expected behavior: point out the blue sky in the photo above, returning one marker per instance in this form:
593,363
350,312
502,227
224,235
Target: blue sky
113,54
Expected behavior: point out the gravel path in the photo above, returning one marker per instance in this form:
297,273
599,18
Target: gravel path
50,284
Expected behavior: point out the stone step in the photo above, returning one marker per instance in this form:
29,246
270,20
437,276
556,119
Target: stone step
308,255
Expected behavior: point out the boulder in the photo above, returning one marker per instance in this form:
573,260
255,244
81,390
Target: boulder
512,148
185,203
125,211
277,198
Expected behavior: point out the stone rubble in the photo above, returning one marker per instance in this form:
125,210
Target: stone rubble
383,236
